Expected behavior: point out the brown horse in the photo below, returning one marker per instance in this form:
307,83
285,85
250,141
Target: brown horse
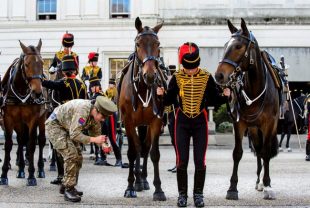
140,106
254,104
24,111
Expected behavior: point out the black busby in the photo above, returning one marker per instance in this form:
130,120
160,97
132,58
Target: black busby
68,40
189,55
93,57
69,63
94,81
172,69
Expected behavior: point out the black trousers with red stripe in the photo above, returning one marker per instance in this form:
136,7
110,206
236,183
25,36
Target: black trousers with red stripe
185,128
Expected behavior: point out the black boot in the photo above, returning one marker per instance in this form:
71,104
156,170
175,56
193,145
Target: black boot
56,181
308,150
71,195
63,188
182,187
199,182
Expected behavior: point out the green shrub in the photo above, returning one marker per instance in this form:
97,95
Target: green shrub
221,116
225,127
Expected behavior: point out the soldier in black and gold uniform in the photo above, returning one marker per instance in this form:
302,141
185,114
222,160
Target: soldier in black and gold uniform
92,70
69,88
195,89
67,43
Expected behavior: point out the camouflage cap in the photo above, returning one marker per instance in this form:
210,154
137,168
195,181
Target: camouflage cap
105,106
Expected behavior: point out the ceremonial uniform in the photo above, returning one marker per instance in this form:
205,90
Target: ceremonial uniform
67,42
194,93
65,128
92,70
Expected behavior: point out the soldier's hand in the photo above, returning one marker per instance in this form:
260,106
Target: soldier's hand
99,139
160,90
226,92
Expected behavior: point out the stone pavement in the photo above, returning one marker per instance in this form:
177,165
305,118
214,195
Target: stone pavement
105,186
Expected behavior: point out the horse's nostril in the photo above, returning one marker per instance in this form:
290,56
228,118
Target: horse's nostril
219,76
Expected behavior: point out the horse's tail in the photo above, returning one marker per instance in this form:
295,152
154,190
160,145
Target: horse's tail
274,147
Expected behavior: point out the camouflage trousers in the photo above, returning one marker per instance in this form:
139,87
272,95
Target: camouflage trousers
69,150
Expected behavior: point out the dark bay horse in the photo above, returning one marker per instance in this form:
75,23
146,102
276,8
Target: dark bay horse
254,104
292,115
24,111
140,106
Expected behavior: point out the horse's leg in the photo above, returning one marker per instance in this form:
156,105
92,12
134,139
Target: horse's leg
20,154
31,146
155,128
41,141
270,147
133,143
139,182
232,192
146,145
8,126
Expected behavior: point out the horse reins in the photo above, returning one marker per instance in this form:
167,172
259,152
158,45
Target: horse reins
236,78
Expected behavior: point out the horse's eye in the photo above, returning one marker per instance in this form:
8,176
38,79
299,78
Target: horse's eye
137,44
238,46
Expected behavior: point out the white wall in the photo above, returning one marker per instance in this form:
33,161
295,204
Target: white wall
199,21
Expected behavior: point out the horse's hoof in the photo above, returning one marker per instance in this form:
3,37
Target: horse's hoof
20,174
146,185
41,174
259,187
129,193
53,168
31,182
269,194
139,187
4,181
232,195
159,196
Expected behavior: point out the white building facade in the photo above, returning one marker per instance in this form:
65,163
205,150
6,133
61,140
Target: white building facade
107,26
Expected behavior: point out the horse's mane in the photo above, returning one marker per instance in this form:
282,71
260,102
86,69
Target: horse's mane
6,76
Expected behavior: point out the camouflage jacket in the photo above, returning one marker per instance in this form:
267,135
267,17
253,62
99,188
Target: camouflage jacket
74,116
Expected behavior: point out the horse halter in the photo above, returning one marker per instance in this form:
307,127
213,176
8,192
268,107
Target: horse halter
148,57
236,76
25,77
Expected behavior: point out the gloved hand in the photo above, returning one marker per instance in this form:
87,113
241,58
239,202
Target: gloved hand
52,70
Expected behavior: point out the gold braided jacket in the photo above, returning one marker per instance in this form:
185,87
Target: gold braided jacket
61,54
91,71
192,90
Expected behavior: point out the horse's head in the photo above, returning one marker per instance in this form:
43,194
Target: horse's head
238,55
32,68
147,51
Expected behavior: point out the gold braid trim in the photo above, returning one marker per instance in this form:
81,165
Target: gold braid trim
192,89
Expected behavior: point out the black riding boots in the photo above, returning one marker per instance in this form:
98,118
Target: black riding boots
182,187
308,150
199,181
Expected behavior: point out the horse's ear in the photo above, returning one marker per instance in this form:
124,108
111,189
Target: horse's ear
244,28
231,27
24,48
138,25
157,27
39,45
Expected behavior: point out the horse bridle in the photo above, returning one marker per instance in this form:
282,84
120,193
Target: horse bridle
236,76
25,77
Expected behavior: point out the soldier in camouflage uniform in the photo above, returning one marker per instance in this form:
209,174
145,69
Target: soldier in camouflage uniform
67,43
68,88
68,122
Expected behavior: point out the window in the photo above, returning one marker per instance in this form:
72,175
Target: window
46,9
116,66
119,8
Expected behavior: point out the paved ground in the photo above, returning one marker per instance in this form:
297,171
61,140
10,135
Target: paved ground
105,186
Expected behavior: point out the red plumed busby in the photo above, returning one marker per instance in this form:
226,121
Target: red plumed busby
68,40
189,55
93,57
